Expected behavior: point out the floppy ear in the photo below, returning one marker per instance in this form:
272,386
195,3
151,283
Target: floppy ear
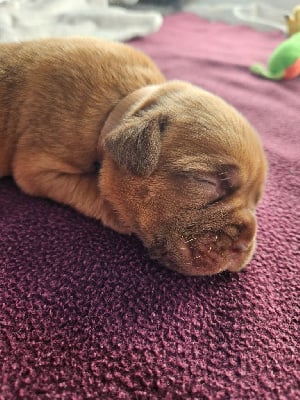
135,144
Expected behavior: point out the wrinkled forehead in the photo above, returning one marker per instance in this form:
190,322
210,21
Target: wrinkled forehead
202,127
199,132
212,140
196,115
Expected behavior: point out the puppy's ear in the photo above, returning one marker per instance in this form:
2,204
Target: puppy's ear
135,144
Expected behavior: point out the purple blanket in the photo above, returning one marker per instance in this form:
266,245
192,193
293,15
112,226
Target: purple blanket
85,314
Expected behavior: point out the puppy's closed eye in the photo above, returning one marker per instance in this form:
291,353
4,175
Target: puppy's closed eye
199,187
213,186
226,182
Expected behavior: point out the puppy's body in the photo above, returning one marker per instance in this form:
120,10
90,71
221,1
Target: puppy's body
180,168
54,98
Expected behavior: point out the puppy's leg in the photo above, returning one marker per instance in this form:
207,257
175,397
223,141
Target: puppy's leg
44,175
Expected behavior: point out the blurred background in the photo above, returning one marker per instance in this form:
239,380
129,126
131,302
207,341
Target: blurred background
125,19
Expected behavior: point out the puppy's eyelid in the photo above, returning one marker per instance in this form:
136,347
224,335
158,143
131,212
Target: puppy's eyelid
200,177
228,192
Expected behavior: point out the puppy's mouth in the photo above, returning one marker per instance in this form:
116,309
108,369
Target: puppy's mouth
206,254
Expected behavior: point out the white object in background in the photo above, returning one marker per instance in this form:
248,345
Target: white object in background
264,15
261,14
33,19
123,2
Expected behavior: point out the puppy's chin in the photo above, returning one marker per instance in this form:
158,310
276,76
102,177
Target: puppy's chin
207,254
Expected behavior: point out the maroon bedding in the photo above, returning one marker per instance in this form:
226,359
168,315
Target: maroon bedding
85,314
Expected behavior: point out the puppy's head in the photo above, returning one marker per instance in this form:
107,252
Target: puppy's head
184,171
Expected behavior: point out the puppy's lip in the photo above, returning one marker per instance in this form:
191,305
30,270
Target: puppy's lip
244,256
188,260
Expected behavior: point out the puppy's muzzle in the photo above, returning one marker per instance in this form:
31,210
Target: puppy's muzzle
211,251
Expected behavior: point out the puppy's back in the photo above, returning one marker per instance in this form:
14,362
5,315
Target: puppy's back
10,81
58,80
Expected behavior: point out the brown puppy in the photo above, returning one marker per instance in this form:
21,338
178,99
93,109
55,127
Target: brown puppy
180,168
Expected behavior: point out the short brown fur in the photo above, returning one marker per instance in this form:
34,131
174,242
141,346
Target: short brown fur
180,168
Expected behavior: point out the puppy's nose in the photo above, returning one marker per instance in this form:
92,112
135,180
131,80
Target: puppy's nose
247,230
241,246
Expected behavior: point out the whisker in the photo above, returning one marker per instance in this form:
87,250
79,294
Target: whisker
189,240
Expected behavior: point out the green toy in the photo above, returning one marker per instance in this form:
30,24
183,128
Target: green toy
284,62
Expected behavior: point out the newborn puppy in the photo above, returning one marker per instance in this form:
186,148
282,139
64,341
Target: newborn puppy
179,167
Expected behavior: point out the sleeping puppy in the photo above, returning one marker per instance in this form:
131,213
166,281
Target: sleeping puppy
95,125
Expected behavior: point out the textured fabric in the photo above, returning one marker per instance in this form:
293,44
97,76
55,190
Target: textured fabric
84,313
